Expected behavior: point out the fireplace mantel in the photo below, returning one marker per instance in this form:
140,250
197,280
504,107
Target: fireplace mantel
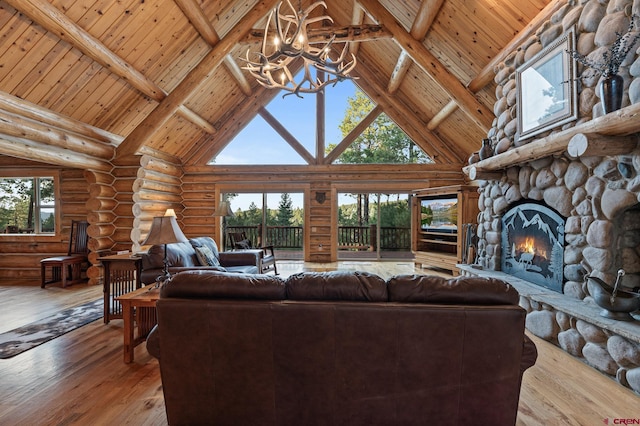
623,122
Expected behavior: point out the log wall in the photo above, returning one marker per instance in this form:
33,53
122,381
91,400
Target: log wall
157,187
20,255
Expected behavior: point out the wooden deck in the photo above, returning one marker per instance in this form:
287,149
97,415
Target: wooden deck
80,378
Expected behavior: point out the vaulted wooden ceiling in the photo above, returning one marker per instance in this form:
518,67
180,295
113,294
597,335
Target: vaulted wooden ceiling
82,80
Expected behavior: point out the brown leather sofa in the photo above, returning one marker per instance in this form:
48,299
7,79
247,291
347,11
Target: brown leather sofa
341,348
183,257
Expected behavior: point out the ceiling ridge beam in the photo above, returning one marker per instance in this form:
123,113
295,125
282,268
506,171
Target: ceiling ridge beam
479,114
426,15
201,72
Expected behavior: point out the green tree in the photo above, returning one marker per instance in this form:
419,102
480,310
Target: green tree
382,142
285,210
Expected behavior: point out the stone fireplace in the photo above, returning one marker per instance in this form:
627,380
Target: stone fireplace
532,244
588,193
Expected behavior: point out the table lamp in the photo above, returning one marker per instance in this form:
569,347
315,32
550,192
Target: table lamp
223,210
164,230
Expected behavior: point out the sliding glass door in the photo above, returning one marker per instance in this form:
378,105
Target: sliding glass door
265,219
374,226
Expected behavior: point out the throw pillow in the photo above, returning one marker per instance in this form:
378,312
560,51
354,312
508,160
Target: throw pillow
206,257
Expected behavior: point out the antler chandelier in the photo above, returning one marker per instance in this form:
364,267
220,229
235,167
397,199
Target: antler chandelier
290,42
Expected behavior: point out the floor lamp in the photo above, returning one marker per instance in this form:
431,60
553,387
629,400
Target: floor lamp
164,230
223,210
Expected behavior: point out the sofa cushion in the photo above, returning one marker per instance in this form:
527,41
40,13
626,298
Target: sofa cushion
197,284
178,254
207,242
337,285
460,290
206,257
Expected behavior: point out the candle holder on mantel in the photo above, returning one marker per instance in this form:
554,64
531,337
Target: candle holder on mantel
487,150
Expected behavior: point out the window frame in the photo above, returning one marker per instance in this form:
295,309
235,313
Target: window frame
37,174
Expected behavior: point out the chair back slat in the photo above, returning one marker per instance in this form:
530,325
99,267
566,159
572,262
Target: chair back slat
79,239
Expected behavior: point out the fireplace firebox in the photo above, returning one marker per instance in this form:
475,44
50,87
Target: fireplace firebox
533,244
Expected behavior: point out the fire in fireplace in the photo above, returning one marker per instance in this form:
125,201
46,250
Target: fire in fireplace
533,244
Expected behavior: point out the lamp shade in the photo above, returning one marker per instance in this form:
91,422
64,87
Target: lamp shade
224,209
165,230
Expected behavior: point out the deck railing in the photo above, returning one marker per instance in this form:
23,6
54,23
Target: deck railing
349,237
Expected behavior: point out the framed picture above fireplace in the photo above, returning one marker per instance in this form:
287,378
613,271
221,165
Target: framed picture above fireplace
546,86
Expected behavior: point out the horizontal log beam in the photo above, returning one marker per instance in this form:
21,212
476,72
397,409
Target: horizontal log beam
623,122
363,32
35,151
599,145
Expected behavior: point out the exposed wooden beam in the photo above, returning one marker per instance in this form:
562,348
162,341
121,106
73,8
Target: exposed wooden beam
357,18
320,121
209,146
353,134
19,127
399,71
199,20
288,137
442,115
426,14
238,75
349,33
200,73
201,23
29,110
480,114
487,74
196,119
37,151
53,20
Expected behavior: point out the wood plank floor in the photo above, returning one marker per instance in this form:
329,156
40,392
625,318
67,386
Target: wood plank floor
80,378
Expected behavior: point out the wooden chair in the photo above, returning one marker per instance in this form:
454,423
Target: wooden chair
68,269
239,241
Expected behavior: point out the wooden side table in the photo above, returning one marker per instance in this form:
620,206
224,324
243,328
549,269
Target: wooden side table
138,309
121,276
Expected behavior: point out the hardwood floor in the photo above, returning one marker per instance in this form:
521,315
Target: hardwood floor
80,378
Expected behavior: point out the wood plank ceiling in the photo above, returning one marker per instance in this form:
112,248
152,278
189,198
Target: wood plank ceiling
92,79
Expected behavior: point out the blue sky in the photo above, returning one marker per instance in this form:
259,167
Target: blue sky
258,143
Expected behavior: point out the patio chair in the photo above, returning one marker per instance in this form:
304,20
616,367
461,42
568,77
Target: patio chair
239,241
68,269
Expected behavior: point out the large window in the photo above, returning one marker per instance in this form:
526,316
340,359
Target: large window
27,205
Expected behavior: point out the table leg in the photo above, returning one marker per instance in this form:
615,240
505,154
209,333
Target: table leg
127,316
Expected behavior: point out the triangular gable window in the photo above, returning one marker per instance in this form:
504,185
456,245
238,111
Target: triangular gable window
258,143
345,107
381,142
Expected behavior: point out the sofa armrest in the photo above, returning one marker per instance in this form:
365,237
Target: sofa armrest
153,342
241,258
529,354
